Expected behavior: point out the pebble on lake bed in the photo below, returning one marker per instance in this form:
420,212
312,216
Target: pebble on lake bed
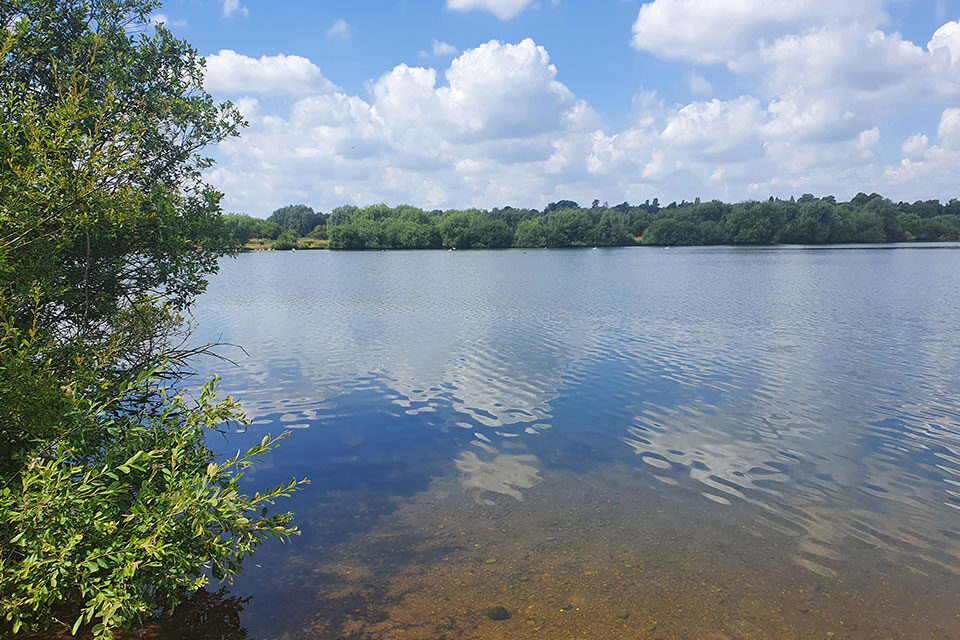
498,613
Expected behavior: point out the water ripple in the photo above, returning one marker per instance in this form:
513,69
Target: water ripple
816,393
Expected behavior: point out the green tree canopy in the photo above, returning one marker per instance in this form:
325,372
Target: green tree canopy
111,503
296,217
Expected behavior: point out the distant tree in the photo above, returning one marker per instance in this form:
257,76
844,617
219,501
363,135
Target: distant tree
887,212
493,234
923,208
670,231
531,234
712,233
570,227
611,230
239,227
266,229
867,227
562,204
754,223
952,208
341,215
812,225
296,217
414,235
866,218
458,229
412,214
346,236
371,232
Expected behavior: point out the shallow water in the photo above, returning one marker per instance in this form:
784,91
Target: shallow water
683,443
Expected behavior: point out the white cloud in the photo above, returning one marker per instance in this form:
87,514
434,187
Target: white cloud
717,128
162,18
945,46
914,147
417,139
440,49
927,169
828,69
233,6
832,82
444,49
949,130
497,127
710,32
339,29
503,9
865,65
233,73
506,90
494,91
868,141
699,84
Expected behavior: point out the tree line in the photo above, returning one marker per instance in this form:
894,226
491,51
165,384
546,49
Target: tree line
805,220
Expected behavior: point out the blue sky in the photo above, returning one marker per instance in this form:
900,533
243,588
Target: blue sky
455,103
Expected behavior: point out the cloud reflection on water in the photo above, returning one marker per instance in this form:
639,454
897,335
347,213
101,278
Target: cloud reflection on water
809,386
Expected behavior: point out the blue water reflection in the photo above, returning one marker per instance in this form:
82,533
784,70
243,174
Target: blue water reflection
815,392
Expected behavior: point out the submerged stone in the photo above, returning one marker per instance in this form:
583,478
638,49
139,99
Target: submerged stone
498,613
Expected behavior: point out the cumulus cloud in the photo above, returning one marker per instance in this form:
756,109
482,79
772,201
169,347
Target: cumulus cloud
497,124
494,91
914,146
872,66
233,6
717,128
498,127
927,168
440,49
444,49
699,84
339,29
232,73
949,130
718,32
827,70
503,9
945,46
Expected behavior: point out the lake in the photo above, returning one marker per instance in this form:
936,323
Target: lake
655,443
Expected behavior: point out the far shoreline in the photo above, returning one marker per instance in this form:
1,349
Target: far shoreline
324,245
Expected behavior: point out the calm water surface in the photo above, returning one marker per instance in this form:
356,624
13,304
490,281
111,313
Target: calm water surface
638,443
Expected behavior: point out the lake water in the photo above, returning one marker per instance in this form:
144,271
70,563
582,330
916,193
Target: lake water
691,443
